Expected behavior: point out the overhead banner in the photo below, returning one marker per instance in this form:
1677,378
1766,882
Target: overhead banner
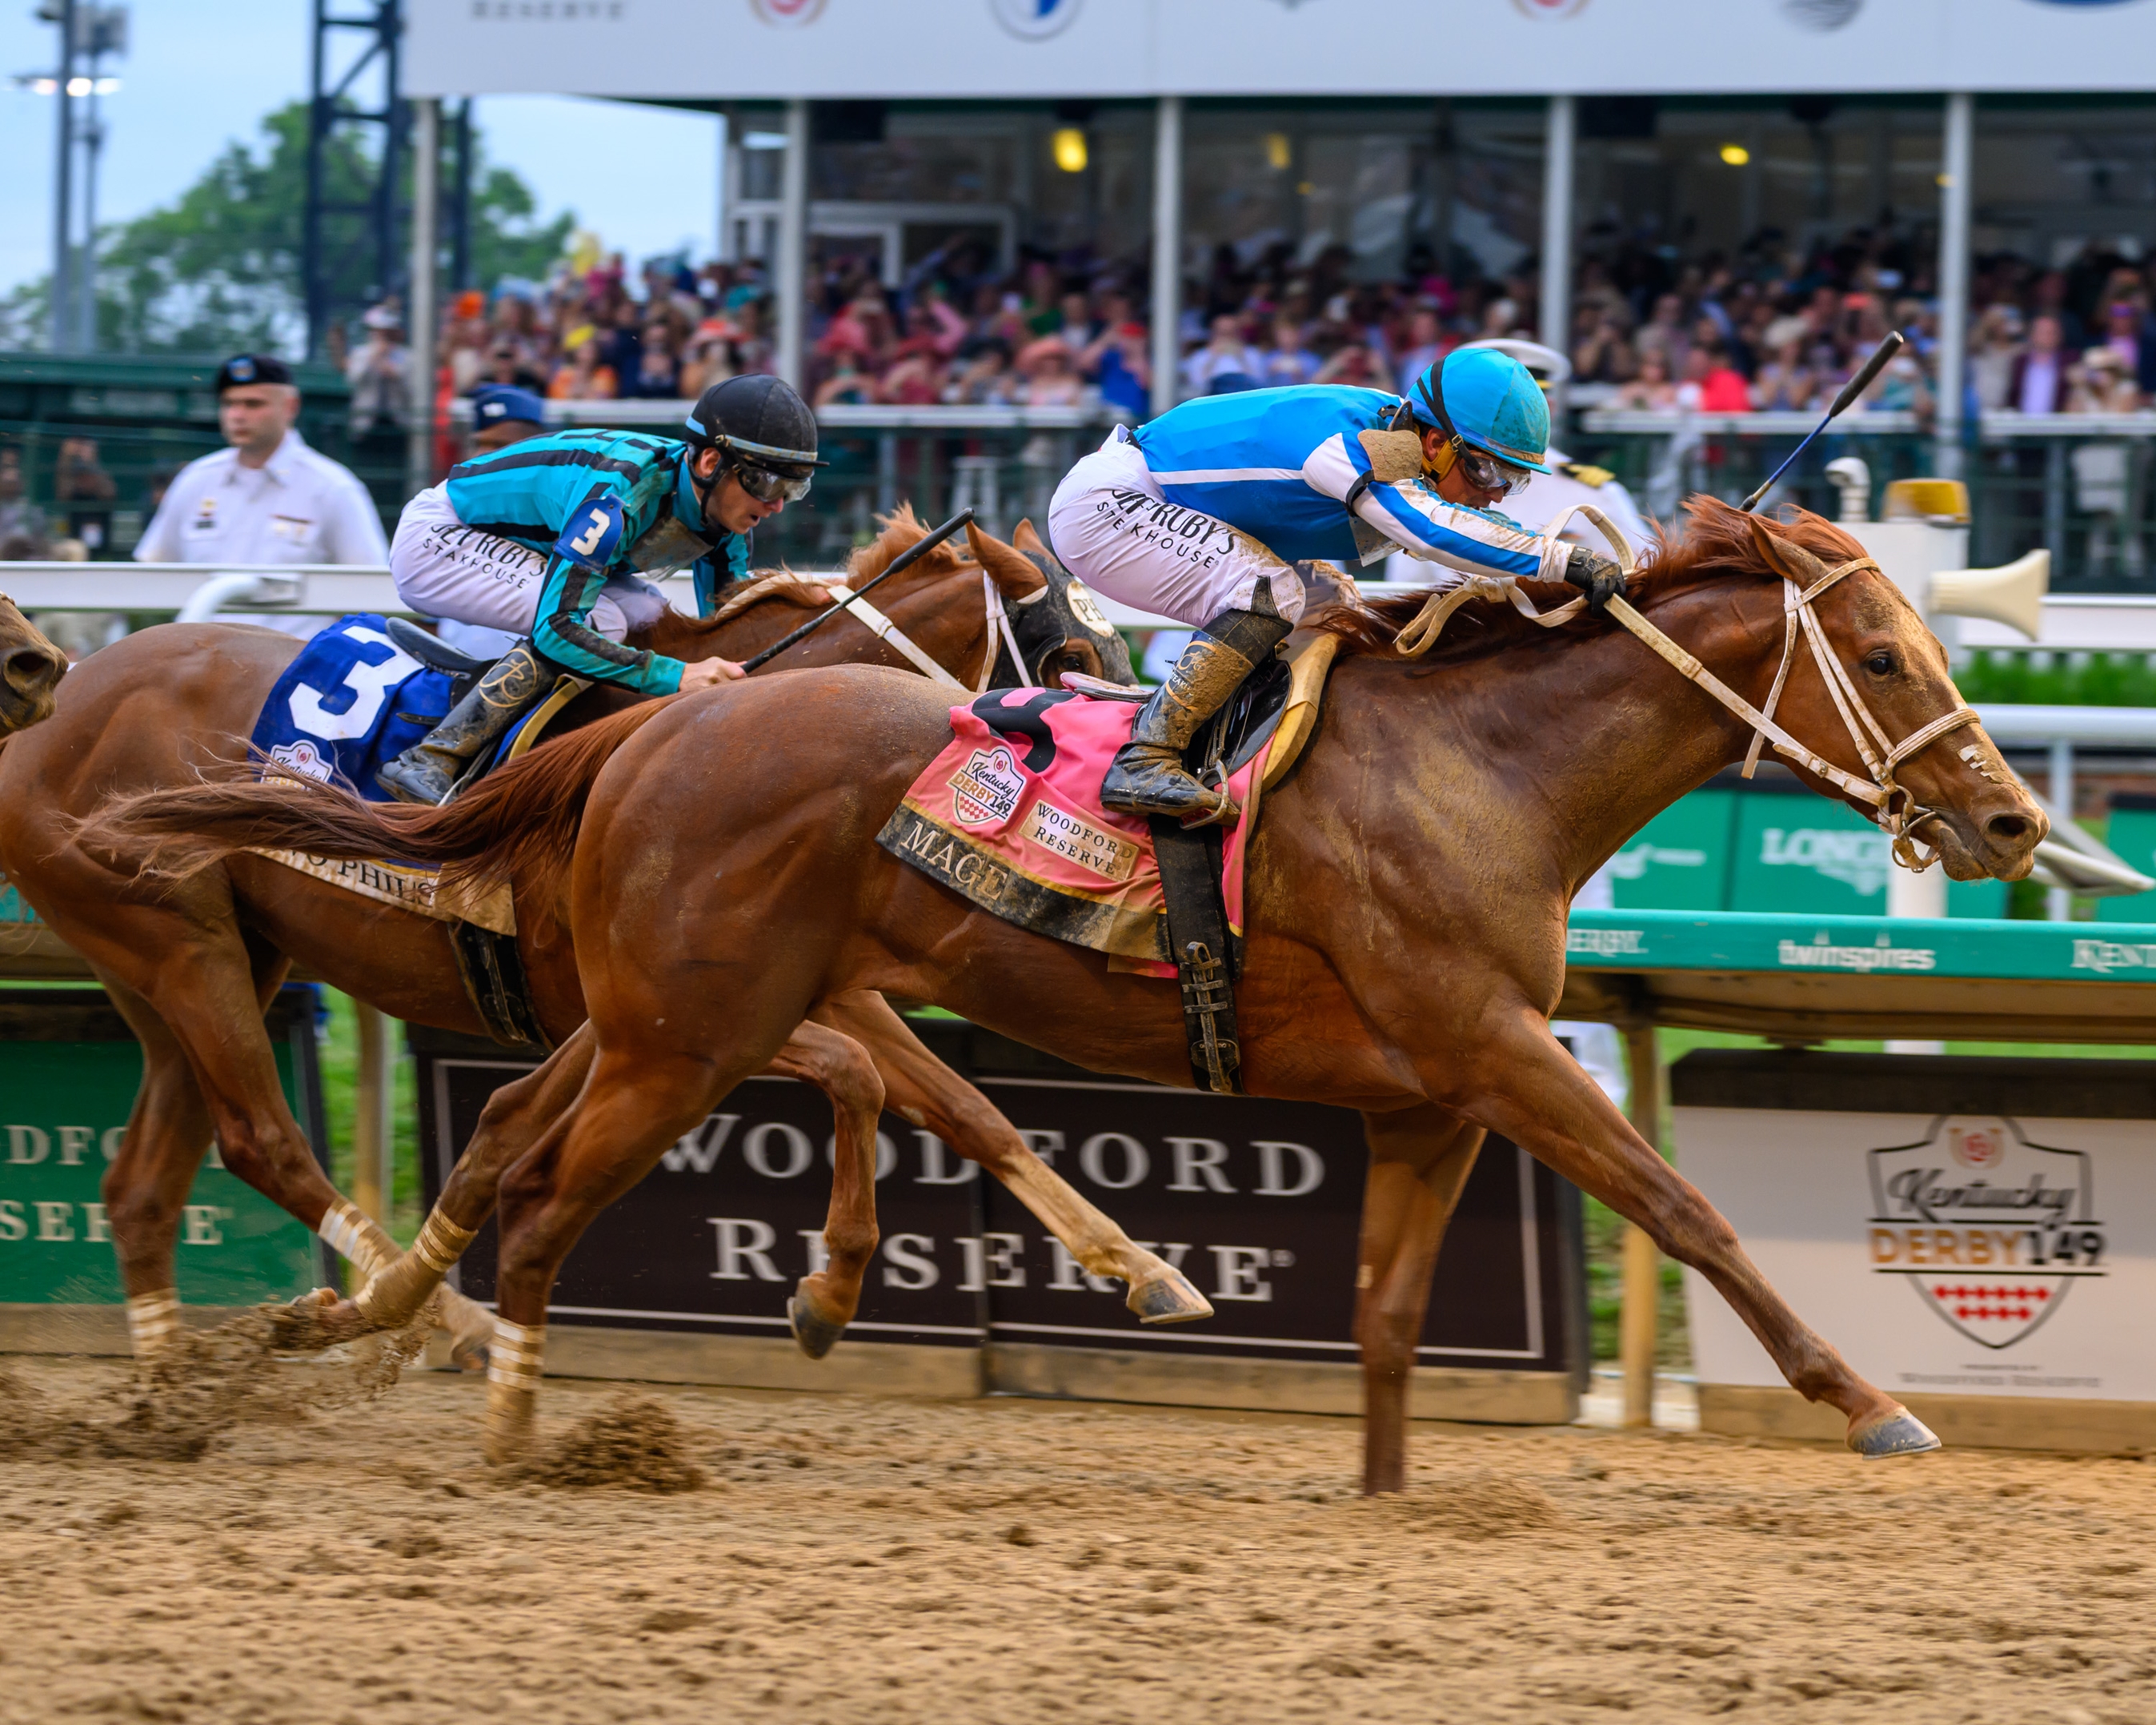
1954,1226
986,49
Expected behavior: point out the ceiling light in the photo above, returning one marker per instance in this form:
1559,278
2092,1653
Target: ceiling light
1736,155
1068,145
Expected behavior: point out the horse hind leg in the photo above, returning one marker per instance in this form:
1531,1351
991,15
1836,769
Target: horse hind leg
637,1104
827,1299
924,1091
1420,1161
146,1188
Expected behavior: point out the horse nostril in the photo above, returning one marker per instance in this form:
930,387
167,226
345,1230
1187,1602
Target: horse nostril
2009,831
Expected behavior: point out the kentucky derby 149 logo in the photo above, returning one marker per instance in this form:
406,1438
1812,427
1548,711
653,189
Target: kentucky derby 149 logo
1990,1229
985,791
1034,19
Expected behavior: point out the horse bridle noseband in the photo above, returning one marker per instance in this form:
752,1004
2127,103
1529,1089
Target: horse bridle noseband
1895,811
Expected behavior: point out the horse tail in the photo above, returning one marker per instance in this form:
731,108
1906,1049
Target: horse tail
518,825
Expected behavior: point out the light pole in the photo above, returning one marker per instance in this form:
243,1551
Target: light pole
103,31
62,12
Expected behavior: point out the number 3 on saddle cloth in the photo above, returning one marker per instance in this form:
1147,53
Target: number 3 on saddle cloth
349,703
1009,817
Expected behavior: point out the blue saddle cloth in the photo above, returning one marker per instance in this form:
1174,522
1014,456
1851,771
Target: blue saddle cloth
352,701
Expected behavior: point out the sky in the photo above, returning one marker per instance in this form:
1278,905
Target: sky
189,86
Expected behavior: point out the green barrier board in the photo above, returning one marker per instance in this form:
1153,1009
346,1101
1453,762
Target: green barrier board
1865,946
68,1071
1761,849
2132,835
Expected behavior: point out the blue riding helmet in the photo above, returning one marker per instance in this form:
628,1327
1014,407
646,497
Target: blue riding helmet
1490,402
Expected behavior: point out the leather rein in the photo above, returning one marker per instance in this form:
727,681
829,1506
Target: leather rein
1893,809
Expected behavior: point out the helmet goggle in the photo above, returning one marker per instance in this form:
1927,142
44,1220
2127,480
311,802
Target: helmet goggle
770,484
1486,473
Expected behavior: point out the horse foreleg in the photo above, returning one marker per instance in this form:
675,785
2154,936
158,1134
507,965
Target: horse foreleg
1542,1100
924,1091
1420,1161
827,1298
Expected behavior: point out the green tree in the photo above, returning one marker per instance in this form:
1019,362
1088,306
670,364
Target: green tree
218,269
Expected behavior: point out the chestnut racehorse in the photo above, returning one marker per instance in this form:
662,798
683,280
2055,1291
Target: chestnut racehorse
1407,898
192,964
31,668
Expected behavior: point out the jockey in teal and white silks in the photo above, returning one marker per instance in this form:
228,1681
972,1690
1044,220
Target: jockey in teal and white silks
553,537
1200,515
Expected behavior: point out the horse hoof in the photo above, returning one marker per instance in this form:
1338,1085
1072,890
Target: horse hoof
816,1336
320,1296
1167,1298
467,1354
1900,1433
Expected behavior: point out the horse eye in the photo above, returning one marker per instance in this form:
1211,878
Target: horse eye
1880,663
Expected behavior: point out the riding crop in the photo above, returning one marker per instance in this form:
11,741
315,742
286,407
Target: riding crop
1850,390
904,560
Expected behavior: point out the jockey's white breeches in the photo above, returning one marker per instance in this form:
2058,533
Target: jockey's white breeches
443,569
1112,529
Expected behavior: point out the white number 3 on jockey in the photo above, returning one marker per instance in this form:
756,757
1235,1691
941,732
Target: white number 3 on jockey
588,541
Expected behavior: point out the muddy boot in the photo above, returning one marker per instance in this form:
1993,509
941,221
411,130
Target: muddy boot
1147,776
429,770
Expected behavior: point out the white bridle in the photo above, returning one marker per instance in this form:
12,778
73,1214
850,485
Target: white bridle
1893,809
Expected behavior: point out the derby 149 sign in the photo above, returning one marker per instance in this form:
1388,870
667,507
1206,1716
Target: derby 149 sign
1969,1227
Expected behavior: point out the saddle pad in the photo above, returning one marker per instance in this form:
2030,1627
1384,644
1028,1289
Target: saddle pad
1009,817
351,702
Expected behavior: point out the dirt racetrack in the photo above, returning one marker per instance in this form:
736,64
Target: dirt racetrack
853,1560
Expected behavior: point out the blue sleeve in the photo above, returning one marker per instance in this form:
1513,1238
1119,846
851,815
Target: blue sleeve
1413,516
727,564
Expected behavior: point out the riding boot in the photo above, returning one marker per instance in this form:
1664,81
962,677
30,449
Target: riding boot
1147,776
429,770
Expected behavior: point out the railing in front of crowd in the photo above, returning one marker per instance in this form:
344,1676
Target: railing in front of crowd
2082,485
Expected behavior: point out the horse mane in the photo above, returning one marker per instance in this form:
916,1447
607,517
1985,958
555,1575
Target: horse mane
1718,543
903,530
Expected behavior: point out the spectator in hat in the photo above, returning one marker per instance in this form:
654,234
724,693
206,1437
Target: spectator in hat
381,376
503,415
267,498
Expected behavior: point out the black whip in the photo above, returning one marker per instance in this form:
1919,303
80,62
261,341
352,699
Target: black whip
1850,390
904,560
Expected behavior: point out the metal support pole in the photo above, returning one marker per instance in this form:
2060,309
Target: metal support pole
729,188
2058,902
1167,252
420,323
1558,155
63,306
791,278
374,1124
1638,1317
85,286
1957,189
460,203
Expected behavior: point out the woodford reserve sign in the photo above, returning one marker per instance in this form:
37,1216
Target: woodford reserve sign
1257,1201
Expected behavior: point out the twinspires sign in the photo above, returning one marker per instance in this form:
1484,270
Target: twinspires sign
1257,1202
69,1072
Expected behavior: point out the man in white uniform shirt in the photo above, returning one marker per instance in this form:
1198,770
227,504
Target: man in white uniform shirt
268,499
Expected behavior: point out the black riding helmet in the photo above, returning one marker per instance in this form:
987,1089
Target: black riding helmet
764,431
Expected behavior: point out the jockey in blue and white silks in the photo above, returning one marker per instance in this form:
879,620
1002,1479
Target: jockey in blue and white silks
1200,515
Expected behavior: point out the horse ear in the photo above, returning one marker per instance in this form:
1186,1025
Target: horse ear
1784,556
1011,569
1030,542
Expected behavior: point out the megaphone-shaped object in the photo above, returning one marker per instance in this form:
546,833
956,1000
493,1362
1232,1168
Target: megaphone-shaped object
2012,595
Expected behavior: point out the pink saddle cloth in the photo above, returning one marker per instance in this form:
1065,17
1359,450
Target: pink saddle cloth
1009,817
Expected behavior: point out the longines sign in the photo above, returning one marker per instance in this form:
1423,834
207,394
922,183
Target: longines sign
967,50
1963,1226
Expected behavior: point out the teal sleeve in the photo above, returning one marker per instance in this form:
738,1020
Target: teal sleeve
564,636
